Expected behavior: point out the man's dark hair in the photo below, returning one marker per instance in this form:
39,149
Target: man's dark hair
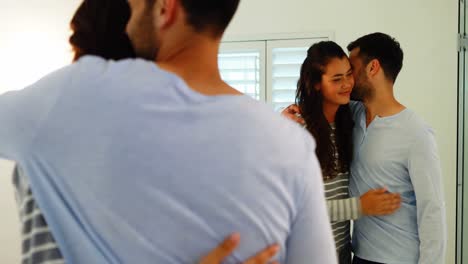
382,47
210,15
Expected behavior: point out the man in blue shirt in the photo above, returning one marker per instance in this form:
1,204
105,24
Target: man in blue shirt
393,147
132,161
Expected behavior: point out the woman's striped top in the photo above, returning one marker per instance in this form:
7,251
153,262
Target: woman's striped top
341,208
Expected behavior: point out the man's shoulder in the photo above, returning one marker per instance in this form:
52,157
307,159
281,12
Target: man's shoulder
92,72
418,131
264,114
416,124
356,106
82,69
58,76
94,65
284,144
273,127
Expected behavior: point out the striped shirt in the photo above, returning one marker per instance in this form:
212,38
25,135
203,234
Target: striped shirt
39,246
341,208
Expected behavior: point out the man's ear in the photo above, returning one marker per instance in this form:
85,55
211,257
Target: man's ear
373,67
166,12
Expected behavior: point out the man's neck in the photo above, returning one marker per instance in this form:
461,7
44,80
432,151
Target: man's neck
196,62
383,104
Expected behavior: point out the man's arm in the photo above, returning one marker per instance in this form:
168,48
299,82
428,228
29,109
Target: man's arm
311,239
22,112
426,176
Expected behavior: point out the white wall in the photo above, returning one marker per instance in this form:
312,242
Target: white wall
33,39
10,242
427,31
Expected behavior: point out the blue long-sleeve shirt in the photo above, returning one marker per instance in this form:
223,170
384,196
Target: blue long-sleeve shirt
130,165
400,153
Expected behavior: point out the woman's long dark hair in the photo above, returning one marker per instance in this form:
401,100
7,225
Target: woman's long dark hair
310,102
99,29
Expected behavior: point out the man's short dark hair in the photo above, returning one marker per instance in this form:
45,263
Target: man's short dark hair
210,15
382,47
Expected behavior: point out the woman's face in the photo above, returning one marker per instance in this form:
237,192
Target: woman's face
337,82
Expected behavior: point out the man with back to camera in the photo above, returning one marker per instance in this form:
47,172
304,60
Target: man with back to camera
134,160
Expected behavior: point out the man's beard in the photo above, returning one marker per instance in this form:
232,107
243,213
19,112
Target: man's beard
145,41
362,90
147,46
